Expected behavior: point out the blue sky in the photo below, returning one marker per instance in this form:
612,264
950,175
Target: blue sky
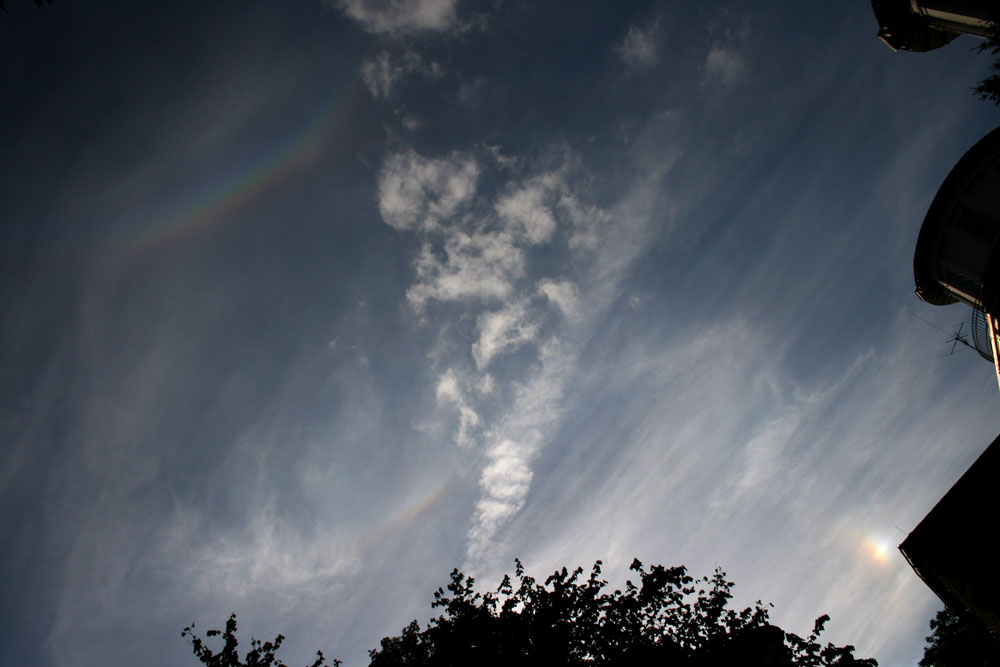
305,305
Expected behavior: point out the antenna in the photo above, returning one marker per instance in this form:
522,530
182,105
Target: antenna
959,338
956,336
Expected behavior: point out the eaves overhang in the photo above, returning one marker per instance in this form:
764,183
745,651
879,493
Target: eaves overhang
902,30
983,155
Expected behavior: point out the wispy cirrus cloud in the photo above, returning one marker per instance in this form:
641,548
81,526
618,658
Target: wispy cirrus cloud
639,48
482,249
564,294
269,554
725,61
400,16
723,66
382,73
449,392
711,421
500,330
514,442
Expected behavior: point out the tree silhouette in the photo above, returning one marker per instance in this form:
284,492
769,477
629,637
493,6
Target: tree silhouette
261,654
960,640
668,619
988,89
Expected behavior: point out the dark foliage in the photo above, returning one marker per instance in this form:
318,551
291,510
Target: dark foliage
669,618
959,640
261,654
988,89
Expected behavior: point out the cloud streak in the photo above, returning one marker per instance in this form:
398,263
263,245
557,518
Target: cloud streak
420,193
400,16
383,73
479,250
725,61
639,48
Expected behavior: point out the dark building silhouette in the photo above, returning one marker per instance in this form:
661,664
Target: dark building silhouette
957,257
924,25
953,550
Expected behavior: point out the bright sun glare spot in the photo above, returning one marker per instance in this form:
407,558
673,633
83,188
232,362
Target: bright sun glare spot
878,550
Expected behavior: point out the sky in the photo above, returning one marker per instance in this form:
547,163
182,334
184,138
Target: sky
305,304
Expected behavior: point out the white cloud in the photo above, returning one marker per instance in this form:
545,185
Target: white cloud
476,252
786,475
474,266
725,60
379,74
269,556
417,192
528,422
587,222
501,330
447,389
639,48
410,122
518,437
505,482
449,393
466,258
400,16
563,294
501,159
762,454
382,73
525,209
723,66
